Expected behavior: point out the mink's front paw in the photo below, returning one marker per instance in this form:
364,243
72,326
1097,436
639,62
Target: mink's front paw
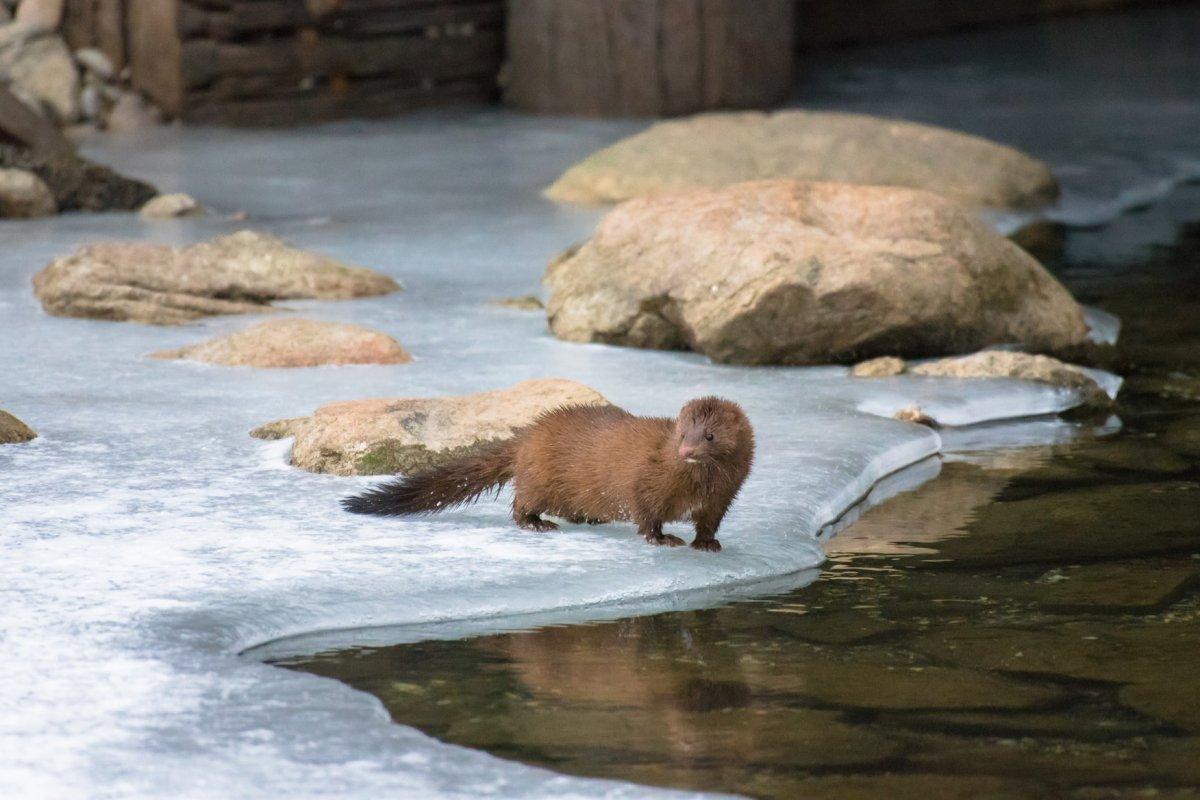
665,539
707,545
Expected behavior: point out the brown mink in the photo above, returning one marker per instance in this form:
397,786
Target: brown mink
594,464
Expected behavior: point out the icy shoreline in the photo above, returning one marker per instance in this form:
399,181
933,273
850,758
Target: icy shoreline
147,539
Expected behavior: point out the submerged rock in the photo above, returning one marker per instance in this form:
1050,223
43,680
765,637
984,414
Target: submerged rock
524,303
295,343
236,274
12,430
1009,364
78,184
712,150
785,272
170,206
407,434
24,195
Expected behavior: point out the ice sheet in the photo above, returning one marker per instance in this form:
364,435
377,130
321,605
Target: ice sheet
147,539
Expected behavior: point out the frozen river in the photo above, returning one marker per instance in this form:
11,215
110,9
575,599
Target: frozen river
147,539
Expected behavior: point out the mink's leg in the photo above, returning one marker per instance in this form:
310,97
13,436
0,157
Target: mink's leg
652,532
532,522
528,518
582,520
707,520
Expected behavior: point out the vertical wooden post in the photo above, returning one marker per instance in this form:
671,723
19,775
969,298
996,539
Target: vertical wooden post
648,57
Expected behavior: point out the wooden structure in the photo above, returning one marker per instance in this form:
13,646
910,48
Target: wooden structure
286,61
648,57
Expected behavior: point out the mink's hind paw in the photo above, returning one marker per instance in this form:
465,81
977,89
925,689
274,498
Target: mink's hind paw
665,539
707,545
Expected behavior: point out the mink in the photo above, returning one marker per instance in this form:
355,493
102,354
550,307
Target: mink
595,464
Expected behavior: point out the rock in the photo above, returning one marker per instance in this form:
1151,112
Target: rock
236,274
91,103
170,206
882,367
5,16
78,184
915,415
782,272
526,303
130,113
43,67
1023,366
713,150
295,343
23,195
1119,587
1076,524
22,122
96,62
41,16
13,431
408,434
892,686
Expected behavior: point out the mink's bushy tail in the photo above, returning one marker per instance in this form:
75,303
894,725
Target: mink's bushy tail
437,489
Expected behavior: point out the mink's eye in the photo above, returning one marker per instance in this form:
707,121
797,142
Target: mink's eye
708,436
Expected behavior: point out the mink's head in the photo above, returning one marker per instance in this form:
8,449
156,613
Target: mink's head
711,431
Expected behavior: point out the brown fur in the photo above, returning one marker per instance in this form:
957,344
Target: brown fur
595,464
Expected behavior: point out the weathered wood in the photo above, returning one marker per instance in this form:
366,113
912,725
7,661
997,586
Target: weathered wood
381,101
22,125
99,24
648,57
154,52
297,58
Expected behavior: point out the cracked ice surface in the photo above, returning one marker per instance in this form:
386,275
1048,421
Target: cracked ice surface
147,539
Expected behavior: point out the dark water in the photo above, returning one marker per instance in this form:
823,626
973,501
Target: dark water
1025,625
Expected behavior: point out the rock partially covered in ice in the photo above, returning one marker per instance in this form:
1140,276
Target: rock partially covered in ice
1008,364
915,415
295,343
78,184
24,195
12,430
170,206
236,274
882,367
786,272
407,434
720,149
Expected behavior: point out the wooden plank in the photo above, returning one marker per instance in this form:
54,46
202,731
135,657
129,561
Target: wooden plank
243,20
680,62
361,102
204,61
155,52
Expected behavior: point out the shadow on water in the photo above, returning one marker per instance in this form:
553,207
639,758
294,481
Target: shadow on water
1025,625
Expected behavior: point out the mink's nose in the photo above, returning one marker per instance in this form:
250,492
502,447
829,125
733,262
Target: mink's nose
686,451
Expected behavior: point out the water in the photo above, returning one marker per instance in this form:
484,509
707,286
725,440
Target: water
147,540
1026,624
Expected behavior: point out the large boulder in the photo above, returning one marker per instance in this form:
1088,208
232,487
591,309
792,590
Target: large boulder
295,343
236,274
24,195
12,430
786,272
712,150
409,434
